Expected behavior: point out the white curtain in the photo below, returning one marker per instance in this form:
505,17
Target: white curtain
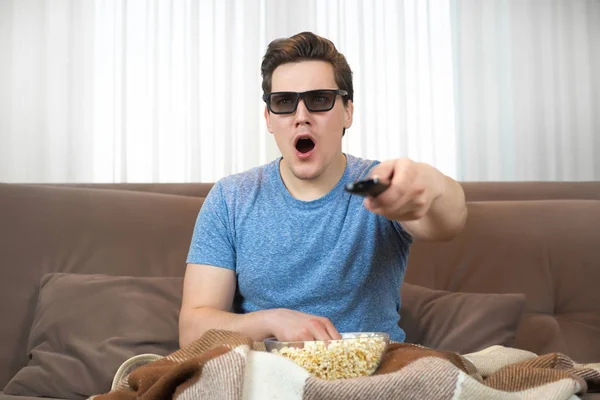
527,89
169,90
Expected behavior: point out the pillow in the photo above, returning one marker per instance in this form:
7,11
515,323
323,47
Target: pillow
460,322
86,326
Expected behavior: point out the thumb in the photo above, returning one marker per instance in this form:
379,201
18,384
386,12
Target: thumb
384,170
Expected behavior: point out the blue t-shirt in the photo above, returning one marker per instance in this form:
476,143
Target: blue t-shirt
329,257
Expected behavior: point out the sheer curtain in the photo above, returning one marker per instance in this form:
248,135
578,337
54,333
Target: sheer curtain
170,91
527,89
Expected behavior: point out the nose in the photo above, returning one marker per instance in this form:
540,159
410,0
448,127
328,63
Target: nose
302,115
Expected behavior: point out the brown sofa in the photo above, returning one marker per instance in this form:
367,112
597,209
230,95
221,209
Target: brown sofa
526,267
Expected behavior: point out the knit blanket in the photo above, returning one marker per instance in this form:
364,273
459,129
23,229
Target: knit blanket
228,365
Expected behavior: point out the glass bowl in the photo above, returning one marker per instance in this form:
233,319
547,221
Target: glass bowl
355,354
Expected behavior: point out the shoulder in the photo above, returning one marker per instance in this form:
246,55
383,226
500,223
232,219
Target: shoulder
233,188
358,168
247,180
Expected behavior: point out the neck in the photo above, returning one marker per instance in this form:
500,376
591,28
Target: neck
313,189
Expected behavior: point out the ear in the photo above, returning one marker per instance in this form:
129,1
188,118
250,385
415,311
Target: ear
348,114
268,119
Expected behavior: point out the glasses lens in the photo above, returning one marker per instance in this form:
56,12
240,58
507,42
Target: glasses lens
283,102
319,101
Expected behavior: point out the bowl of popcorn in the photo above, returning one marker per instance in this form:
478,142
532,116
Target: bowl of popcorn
355,354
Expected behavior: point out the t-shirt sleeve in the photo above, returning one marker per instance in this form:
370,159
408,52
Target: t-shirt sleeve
405,237
212,240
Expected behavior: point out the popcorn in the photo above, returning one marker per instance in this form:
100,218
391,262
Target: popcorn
339,359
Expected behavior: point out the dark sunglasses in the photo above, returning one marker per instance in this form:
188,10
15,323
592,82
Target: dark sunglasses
315,100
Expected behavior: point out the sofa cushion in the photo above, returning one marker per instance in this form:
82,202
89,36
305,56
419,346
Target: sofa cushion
461,322
86,326
92,231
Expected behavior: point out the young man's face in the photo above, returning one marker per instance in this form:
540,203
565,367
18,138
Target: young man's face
310,142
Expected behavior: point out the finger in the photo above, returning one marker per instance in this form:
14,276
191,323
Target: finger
383,170
370,203
402,213
379,209
389,202
394,197
382,211
400,177
305,334
331,330
318,330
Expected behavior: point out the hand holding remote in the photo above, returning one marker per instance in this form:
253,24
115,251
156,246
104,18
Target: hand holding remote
412,189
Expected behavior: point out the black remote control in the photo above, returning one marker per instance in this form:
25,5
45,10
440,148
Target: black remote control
367,187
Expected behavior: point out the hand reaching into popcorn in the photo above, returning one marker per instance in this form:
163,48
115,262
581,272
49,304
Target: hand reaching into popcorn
290,325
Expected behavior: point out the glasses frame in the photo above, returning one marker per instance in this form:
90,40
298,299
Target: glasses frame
267,99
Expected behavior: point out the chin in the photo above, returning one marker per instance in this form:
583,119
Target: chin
306,172
306,175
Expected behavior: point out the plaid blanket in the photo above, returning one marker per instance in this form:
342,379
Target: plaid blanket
228,365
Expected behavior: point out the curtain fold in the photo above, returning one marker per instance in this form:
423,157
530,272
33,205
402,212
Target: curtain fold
527,86
170,90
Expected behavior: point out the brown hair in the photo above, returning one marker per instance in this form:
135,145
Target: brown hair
306,46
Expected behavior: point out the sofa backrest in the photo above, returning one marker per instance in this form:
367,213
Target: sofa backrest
515,191
545,249
181,189
474,191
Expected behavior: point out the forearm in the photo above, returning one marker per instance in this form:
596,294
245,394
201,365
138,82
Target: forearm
447,214
194,322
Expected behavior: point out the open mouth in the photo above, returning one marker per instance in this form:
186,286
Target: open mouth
305,145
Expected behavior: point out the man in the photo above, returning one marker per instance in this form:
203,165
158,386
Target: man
282,250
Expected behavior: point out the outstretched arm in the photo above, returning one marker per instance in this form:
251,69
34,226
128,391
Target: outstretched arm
428,204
